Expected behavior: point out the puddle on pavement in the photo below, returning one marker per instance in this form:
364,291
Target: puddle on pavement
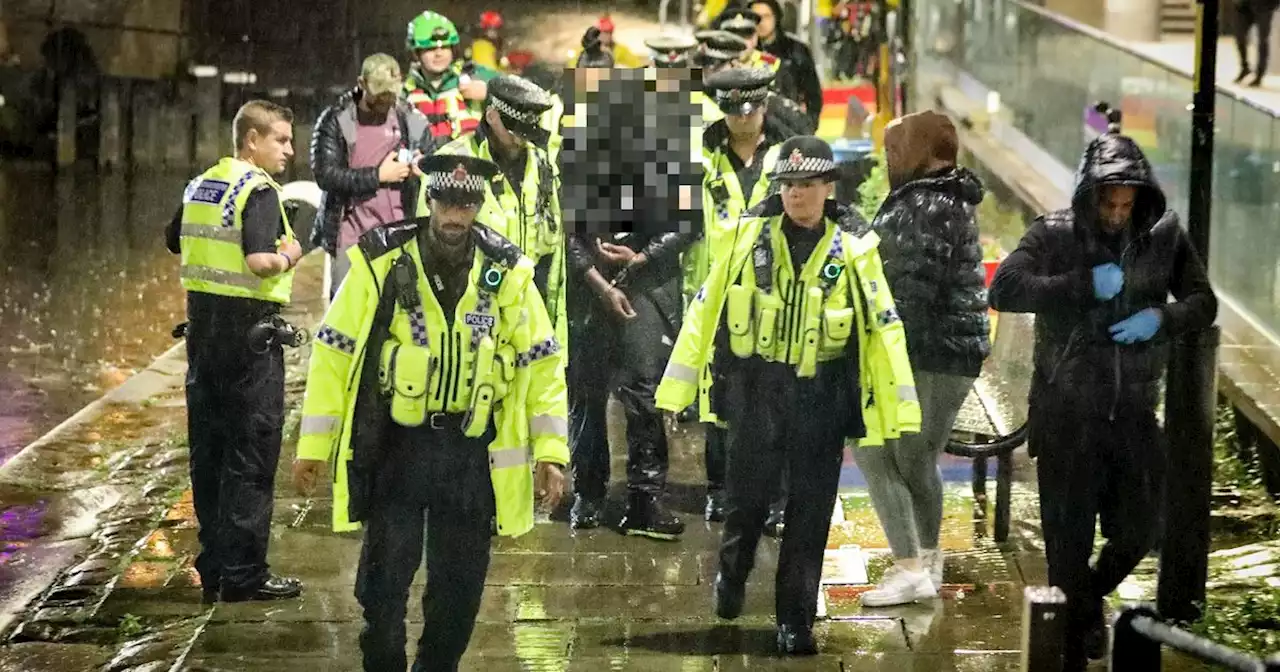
89,293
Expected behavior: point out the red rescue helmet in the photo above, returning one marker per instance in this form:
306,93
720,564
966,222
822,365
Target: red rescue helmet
490,20
605,24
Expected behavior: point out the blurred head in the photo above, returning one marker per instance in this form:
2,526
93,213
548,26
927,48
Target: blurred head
1115,206
768,21
746,125
804,200
263,135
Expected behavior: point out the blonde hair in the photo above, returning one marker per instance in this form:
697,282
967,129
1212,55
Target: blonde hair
257,115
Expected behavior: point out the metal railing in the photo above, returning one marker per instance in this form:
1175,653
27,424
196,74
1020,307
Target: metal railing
1139,636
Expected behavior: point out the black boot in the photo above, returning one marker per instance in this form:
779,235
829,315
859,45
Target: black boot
1244,72
729,597
647,517
1095,639
585,513
715,506
1256,81
796,640
274,588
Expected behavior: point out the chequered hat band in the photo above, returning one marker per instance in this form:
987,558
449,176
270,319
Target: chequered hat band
471,183
742,95
806,165
505,109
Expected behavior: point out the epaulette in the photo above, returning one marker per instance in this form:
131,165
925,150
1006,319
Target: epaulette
377,242
495,246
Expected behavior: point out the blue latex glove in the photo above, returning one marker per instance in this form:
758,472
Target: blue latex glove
1140,326
1108,280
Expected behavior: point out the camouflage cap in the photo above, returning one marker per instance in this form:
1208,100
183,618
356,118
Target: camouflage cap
381,74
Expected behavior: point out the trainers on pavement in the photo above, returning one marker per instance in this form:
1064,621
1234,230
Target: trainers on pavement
932,560
900,586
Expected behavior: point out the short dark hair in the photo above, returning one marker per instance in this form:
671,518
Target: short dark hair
257,115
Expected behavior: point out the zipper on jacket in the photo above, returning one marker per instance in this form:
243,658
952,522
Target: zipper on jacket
1122,304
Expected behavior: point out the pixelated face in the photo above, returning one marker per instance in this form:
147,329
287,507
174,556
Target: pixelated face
631,158
435,61
768,22
1115,206
746,124
271,151
803,200
451,222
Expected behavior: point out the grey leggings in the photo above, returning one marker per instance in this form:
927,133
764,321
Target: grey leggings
903,475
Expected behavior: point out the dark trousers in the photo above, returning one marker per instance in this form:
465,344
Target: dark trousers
235,412
433,495
715,453
626,359
1254,14
779,422
1091,468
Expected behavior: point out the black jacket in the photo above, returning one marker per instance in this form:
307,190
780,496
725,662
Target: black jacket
798,75
1076,362
341,183
933,262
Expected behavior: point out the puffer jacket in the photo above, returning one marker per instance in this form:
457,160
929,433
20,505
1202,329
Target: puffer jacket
933,262
331,142
798,75
1076,361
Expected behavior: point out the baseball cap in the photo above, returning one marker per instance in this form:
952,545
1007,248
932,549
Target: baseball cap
381,74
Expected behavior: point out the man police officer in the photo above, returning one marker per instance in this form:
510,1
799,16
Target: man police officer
238,254
434,382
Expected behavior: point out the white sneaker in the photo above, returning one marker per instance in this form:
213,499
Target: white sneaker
932,560
900,586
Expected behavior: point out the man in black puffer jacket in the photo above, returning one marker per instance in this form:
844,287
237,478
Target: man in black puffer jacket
798,75
354,157
933,262
1098,276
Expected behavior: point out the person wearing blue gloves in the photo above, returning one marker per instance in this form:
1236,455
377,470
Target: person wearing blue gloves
1098,277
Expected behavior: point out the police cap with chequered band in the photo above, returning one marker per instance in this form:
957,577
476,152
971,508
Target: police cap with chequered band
520,104
718,46
671,51
740,22
805,157
740,91
457,179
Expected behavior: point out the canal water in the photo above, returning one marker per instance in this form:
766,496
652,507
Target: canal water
88,292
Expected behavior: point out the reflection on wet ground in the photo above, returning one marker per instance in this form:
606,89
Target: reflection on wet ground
88,293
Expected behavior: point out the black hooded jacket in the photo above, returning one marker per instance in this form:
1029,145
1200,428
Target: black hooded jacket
1076,361
798,75
933,262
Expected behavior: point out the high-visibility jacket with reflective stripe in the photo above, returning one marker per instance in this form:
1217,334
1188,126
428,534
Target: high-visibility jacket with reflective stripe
213,258
449,113
530,420
551,121
889,404
711,112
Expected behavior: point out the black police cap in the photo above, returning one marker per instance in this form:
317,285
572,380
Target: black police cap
520,103
671,51
805,157
740,90
740,22
457,178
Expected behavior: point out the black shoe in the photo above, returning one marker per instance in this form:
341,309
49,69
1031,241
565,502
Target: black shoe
208,595
585,514
774,524
274,588
1255,82
1095,640
647,517
729,598
1244,72
795,640
715,506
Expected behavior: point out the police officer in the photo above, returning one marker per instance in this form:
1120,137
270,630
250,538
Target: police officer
238,254
671,51
455,386
743,22
717,50
523,199
809,352
738,149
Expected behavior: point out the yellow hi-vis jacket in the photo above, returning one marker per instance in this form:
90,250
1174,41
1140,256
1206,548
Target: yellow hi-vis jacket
711,112
499,357
212,234
846,272
551,121
537,232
